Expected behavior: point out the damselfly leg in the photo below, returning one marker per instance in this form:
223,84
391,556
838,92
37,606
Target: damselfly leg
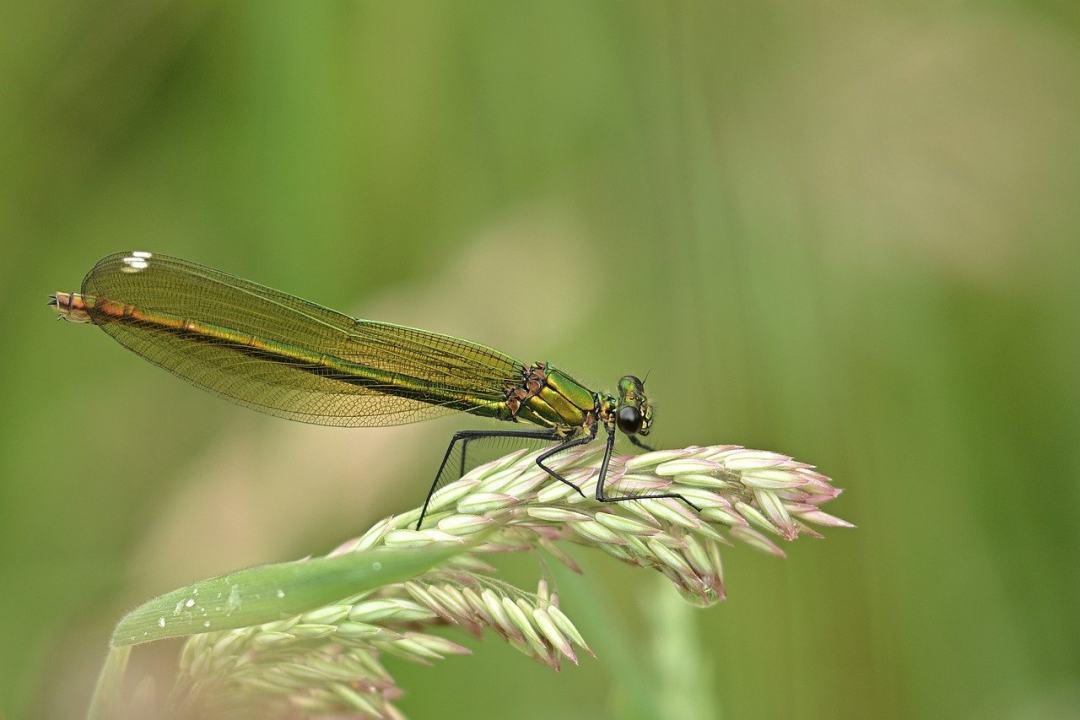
603,497
465,437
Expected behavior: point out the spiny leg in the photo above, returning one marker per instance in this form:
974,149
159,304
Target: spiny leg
465,445
464,436
464,452
603,475
565,445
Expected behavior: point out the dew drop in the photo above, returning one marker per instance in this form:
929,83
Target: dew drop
234,601
376,566
161,622
206,623
280,594
190,602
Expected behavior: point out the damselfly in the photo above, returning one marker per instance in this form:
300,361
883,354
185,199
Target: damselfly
288,357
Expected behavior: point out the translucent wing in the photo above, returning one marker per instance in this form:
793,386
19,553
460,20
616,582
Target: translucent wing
285,356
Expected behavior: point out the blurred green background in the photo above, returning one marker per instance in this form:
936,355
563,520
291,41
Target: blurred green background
847,231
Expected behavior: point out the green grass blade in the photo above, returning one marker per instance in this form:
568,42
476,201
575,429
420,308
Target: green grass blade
270,592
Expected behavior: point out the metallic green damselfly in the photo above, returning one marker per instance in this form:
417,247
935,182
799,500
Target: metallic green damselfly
288,357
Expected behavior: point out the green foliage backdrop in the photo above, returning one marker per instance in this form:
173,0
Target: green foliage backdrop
845,231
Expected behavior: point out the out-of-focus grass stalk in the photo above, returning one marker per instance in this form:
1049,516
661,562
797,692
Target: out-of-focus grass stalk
104,704
680,669
325,659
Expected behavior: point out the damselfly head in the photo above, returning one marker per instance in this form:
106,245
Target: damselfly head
634,416
70,307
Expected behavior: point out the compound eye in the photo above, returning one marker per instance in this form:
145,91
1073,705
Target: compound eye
628,419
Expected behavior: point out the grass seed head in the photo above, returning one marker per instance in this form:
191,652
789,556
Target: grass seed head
326,660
